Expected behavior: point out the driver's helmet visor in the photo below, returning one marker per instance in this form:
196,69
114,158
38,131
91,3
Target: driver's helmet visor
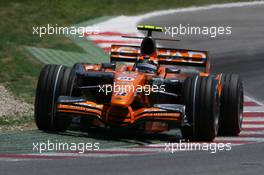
146,67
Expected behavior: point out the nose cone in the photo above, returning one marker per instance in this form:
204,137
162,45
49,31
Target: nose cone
124,88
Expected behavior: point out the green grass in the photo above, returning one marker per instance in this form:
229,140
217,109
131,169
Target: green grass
18,69
7,121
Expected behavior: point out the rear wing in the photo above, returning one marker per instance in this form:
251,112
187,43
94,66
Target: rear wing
168,56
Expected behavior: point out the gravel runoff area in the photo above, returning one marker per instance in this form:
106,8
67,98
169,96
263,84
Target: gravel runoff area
11,106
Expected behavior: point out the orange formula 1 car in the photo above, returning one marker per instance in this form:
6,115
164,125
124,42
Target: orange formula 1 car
143,87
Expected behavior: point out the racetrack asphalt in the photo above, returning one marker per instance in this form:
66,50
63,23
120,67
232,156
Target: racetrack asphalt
242,53
243,160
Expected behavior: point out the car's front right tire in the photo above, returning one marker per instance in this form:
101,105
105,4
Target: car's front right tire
232,99
200,96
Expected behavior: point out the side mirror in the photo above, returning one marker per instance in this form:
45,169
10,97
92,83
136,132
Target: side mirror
171,70
108,65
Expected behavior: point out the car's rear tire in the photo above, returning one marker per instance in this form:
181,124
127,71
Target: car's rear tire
201,99
231,111
54,81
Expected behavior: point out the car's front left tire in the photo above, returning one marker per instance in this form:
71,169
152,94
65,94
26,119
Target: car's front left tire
54,81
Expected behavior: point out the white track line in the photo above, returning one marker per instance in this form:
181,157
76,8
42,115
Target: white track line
253,126
254,109
251,119
252,132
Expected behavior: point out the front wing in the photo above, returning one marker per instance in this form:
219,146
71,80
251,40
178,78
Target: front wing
110,115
